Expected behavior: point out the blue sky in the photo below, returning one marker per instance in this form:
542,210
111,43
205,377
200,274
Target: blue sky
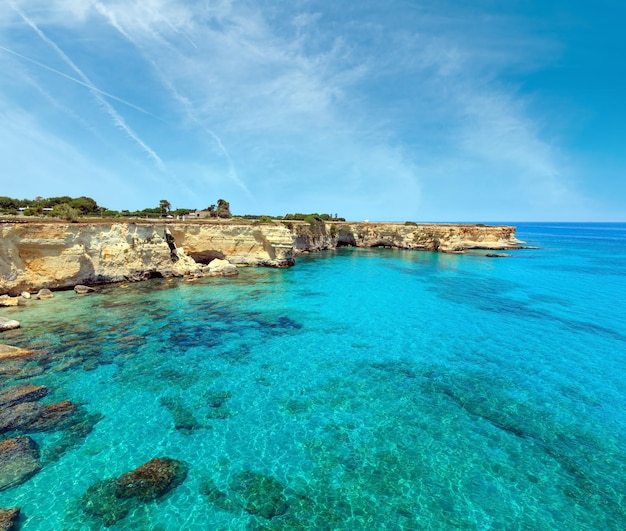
434,110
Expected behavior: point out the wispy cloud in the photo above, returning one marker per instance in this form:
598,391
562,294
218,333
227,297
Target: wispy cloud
97,93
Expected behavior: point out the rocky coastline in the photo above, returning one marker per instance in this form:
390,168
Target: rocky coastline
61,255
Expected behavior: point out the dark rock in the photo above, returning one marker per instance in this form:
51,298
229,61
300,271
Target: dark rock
53,417
262,495
497,255
100,501
206,257
152,479
22,393
111,500
44,293
8,518
82,289
8,324
35,416
19,460
218,498
216,398
183,417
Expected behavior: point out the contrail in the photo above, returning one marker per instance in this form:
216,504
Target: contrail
183,101
117,119
91,87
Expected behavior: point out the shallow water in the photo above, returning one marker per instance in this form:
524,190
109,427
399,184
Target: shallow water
382,389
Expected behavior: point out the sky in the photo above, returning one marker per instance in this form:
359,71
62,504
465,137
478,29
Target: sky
387,110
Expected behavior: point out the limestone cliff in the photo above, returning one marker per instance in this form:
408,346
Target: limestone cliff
57,255
37,255
425,236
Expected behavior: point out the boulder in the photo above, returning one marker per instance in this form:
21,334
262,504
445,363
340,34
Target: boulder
25,295
44,293
221,267
6,300
8,324
22,393
152,479
19,460
82,289
8,518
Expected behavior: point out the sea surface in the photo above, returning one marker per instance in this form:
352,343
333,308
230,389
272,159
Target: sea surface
361,389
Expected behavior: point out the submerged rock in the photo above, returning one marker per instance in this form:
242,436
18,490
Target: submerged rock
217,398
19,461
152,479
262,495
22,393
110,500
100,501
8,324
81,289
8,518
44,293
182,415
8,352
35,416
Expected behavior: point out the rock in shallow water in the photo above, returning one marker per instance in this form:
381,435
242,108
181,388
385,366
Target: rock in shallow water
35,416
8,518
19,460
111,500
6,300
44,293
82,289
22,393
8,324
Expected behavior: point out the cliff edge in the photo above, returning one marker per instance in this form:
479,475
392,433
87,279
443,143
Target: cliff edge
36,255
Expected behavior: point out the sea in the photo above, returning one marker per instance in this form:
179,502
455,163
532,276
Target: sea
361,389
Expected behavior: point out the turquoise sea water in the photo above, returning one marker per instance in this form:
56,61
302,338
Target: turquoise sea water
380,389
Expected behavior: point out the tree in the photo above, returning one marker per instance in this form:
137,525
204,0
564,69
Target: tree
84,205
165,206
65,211
223,209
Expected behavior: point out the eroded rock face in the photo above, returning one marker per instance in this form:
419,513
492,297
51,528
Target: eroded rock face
61,255
19,460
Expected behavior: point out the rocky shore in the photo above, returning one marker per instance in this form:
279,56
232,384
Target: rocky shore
59,255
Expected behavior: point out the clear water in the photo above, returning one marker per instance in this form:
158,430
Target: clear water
382,389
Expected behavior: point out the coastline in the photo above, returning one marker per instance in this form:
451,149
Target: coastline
60,255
